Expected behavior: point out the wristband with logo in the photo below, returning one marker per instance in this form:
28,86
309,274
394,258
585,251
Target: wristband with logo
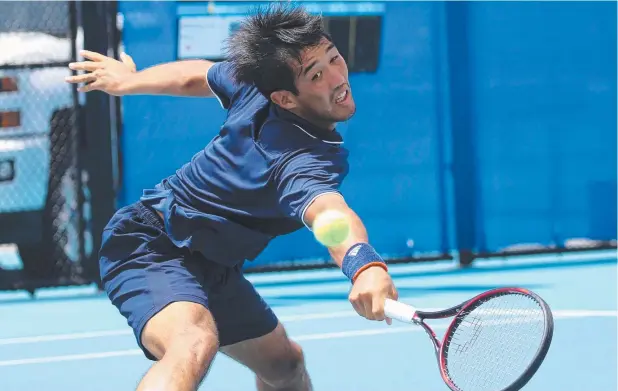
359,258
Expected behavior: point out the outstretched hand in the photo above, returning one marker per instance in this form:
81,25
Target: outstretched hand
102,73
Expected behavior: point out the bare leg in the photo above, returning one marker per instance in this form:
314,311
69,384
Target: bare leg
277,362
183,337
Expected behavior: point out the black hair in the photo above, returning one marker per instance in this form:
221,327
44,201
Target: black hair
262,48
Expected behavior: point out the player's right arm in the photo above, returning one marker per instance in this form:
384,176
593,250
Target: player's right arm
308,185
367,271
180,78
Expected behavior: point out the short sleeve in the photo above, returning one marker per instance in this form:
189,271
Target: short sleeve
221,82
306,176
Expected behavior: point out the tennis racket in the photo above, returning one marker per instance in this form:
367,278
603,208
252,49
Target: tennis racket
495,342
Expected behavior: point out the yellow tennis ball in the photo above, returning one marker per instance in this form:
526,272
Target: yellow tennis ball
331,228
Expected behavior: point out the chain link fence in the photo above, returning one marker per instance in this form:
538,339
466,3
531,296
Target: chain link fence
41,194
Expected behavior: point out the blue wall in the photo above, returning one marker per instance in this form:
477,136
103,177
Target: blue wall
544,116
534,102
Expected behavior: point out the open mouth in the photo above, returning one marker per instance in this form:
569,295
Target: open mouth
342,96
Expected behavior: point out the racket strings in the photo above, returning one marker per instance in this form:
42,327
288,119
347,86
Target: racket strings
494,343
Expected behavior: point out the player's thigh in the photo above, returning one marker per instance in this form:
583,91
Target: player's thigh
162,301
157,288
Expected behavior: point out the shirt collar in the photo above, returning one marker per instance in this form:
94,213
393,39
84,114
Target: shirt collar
326,135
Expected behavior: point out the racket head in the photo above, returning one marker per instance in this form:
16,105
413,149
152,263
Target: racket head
497,341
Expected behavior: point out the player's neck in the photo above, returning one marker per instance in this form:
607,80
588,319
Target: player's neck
326,125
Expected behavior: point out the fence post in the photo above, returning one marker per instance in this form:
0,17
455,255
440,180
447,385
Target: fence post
464,169
99,24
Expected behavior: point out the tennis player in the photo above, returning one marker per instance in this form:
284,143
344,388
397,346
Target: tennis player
171,262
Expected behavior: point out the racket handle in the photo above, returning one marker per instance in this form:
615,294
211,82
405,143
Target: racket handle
399,311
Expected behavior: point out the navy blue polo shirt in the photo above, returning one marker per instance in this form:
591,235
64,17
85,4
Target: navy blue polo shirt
253,181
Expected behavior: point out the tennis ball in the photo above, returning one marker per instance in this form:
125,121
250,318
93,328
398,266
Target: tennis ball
331,228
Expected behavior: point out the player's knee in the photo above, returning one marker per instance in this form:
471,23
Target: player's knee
195,339
287,370
190,341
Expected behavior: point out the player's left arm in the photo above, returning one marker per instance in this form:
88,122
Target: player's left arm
197,78
120,77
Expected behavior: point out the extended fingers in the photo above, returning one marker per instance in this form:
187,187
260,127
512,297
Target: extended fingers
85,78
97,61
86,66
92,55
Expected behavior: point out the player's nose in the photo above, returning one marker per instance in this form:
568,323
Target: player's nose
337,79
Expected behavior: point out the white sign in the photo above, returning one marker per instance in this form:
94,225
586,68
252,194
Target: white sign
204,36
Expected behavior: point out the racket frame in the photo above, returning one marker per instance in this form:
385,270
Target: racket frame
418,317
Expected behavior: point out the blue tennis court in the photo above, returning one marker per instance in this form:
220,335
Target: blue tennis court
73,339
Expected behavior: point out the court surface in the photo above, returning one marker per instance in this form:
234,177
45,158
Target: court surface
74,340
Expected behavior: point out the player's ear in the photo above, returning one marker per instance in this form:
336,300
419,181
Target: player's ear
283,99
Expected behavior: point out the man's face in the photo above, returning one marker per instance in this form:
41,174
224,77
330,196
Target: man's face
324,95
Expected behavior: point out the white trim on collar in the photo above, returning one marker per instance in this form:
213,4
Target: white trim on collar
312,136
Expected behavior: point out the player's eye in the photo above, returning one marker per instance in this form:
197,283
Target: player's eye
334,59
317,76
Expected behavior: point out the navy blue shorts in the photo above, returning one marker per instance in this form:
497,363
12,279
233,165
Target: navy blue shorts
143,271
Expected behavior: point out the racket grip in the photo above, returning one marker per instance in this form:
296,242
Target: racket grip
399,311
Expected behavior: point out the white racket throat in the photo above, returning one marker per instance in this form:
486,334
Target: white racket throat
399,311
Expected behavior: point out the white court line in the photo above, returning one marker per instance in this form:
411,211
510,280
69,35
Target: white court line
113,333
137,352
70,357
63,337
307,337
284,319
